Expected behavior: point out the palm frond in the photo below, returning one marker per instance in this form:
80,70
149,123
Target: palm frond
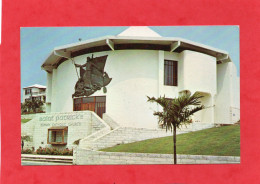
161,101
177,111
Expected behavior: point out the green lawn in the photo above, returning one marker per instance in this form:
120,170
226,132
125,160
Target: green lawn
222,141
25,120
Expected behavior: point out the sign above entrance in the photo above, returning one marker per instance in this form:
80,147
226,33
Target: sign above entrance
92,77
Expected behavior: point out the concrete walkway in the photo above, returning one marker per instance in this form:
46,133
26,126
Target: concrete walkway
30,159
41,163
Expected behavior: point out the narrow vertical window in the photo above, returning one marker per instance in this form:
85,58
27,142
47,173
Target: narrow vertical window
170,73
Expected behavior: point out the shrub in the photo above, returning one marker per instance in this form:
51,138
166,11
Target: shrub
26,151
67,152
41,151
48,151
53,151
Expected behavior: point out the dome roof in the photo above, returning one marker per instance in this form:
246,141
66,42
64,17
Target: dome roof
142,31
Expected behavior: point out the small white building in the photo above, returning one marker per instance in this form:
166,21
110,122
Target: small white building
35,91
141,63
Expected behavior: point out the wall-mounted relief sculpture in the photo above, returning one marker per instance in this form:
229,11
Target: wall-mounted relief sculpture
92,77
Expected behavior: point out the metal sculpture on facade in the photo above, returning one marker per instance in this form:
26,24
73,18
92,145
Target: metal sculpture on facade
92,77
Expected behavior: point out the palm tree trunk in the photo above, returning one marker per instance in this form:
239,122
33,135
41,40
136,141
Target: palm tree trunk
174,145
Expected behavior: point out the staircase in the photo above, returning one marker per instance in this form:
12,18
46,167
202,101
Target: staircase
66,160
122,135
93,136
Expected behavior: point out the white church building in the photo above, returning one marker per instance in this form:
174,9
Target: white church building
136,63
142,63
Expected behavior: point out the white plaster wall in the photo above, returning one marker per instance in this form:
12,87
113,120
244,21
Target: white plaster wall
223,97
235,86
53,90
197,72
206,115
48,108
80,125
139,73
164,90
235,115
134,76
63,81
235,94
77,129
48,92
228,96
49,88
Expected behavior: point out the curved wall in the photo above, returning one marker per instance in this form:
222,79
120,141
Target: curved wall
135,75
199,72
228,94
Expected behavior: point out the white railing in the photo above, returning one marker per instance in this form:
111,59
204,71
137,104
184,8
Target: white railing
38,93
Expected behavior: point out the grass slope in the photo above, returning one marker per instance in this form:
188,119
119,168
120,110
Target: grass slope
222,141
25,120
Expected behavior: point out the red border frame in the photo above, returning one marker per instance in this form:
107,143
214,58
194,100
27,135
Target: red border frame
28,13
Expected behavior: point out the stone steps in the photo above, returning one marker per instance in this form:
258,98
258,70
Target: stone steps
92,137
47,158
98,134
124,135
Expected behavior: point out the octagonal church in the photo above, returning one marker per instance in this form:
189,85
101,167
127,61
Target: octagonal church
113,75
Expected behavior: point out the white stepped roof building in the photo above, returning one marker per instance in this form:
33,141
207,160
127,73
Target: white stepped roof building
35,91
142,63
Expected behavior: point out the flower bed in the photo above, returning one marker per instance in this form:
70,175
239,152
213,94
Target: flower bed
27,151
48,151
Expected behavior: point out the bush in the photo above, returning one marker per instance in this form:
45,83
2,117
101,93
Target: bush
53,151
27,151
41,151
67,152
31,106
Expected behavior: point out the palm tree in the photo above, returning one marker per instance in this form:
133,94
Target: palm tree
176,112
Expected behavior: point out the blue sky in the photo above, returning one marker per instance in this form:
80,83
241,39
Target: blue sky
38,42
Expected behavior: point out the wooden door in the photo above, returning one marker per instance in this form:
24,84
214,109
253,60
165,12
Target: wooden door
88,106
91,107
96,104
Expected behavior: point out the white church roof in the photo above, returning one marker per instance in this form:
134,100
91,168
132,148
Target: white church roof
132,38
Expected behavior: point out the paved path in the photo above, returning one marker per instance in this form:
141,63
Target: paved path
30,159
41,163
